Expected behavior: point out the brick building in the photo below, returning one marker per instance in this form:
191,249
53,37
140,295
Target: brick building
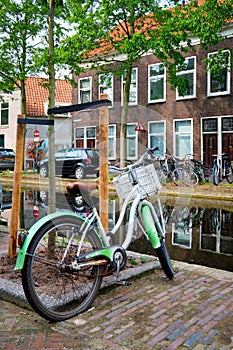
200,122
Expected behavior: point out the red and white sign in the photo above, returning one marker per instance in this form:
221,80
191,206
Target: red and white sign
36,136
139,127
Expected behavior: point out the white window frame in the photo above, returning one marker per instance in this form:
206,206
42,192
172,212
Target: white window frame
228,78
133,81
84,89
131,136
157,134
156,77
113,138
103,86
85,138
180,134
186,72
4,109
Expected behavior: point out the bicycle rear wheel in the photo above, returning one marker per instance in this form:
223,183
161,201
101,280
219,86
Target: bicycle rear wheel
229,174
54,290
216,175
188,177
165,260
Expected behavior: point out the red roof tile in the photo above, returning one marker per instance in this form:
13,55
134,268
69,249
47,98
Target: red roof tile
37,95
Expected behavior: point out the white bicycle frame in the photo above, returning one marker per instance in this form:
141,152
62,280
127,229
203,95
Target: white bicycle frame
137,203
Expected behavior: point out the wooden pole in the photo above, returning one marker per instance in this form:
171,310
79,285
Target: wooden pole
103,173
16,188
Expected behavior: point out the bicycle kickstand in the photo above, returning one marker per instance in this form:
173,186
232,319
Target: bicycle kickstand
118,281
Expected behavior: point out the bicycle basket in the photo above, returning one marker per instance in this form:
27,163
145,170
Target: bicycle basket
148,182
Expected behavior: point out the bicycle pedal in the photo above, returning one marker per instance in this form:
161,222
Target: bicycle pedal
123,283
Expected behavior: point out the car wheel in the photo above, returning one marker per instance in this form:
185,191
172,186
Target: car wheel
43,171
79,173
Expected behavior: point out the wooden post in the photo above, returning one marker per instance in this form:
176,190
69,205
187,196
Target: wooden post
103,173
16,188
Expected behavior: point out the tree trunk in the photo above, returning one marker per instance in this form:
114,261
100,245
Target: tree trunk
124,117
51,131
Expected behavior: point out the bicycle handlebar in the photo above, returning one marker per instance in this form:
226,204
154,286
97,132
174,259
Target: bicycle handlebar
149,152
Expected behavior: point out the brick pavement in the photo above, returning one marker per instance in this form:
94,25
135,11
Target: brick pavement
194,311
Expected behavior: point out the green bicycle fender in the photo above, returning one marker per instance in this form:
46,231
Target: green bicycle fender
150,227
33,230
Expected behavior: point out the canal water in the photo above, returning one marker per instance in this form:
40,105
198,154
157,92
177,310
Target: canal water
198,231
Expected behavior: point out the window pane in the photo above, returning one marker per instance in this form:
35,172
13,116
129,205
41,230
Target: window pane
111,130
183,145
183,126
80,133
91,132
218,82
111,148
187,65
156,127
85,96
188,82
131,151
157,89
4,117
130,130
156,69
157,141
85,83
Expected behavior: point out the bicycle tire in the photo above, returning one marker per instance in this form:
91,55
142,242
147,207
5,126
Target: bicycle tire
57,293
164,260
188,177
216,175
176,176
229,174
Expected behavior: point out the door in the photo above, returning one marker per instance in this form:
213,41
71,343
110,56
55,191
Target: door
210,147
227,145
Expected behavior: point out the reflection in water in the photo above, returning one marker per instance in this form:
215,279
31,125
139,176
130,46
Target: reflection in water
197,233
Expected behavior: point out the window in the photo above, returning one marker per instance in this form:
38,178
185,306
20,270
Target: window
85,90
4,113
112,141
156,83
187,71
106,85
157,136
183,137
133,98
85,137
131,142
218,76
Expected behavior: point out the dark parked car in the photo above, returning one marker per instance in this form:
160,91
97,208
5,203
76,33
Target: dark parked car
77,162
7,158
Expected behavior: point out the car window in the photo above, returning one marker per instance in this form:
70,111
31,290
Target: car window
61,153
92,153
8,152
74,153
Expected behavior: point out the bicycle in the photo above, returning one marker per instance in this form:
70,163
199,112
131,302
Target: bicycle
64,256
171,169
222,168
203,172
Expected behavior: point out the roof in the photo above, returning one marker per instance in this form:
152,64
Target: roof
37,95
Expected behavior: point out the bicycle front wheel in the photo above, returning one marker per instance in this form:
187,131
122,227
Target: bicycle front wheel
216,175
53,289
229,174
164,260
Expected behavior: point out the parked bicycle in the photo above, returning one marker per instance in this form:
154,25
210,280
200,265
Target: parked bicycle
203,173
64,257
222,169
171,168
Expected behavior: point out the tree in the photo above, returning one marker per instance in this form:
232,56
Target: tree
20,24
132,28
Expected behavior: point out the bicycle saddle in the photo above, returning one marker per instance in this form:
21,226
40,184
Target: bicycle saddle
80,187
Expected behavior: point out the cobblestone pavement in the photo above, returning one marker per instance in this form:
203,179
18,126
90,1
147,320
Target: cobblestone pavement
194,311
